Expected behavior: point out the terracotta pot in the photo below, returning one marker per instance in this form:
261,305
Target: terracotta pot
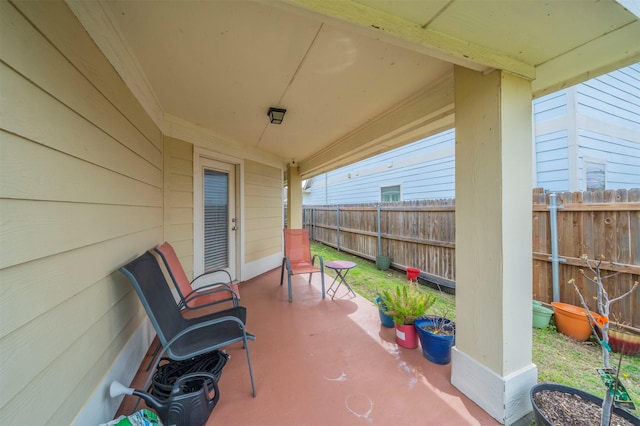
572,321
624,343
406,336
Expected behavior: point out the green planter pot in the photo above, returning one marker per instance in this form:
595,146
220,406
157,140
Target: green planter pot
383,262
541,316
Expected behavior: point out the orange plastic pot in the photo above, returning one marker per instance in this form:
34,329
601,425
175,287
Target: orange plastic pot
572,321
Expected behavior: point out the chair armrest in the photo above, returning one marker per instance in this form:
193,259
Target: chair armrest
313,261
212,272
218,288
209,323
215,285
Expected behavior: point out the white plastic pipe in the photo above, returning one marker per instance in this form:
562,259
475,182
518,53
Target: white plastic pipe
117,389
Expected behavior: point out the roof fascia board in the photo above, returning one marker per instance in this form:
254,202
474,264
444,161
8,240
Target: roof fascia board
596,57
409,35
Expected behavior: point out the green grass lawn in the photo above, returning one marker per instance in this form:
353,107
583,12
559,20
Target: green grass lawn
558,358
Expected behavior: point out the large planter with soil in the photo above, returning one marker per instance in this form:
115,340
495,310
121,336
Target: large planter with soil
437,336
559,404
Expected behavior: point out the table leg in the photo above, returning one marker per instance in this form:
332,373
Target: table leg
341,278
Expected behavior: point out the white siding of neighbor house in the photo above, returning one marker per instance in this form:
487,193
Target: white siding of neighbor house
422,169
552,169
598,120
609,129
81,184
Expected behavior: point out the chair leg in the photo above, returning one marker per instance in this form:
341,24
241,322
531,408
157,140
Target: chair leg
246,348
322,281
282,270
290,288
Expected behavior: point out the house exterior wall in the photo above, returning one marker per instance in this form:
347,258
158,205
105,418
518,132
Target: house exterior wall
87,183
80,195
596,121
263,211
178,199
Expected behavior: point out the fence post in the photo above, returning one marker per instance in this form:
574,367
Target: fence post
555,260
312,212
379,242
338,228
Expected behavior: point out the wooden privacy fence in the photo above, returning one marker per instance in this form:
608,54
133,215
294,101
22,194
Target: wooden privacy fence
421,234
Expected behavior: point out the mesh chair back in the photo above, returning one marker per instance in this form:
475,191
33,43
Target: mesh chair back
182,284
154,293
296,246
175,268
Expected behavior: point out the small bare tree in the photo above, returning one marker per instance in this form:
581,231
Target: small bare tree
600,327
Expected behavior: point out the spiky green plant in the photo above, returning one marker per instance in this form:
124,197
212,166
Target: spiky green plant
405,304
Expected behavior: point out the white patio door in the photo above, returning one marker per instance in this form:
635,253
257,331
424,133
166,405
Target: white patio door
215,221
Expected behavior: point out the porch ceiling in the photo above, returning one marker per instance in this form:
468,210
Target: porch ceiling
356,77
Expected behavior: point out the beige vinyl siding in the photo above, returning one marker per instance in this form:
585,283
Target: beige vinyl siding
178,199
80,195
263,210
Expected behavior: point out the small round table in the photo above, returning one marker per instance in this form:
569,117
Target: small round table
342,268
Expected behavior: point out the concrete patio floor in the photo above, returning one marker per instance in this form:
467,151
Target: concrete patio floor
329,362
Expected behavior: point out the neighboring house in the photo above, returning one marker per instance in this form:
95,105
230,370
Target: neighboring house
586,137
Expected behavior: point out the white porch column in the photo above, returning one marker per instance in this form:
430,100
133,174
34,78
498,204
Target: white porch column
491,362
294,198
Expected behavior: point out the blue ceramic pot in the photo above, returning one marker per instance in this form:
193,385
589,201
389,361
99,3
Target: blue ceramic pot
385,319
436,347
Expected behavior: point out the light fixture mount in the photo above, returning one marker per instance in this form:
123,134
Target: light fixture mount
276,115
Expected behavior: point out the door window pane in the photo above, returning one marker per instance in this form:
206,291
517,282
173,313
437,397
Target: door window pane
216,220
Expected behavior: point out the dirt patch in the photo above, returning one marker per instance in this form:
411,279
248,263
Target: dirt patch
566,409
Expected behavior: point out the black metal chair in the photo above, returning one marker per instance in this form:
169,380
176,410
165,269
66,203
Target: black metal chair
183,338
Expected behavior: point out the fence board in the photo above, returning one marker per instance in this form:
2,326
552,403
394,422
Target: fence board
421,234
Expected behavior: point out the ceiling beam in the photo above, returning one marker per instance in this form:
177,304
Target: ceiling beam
409,35
426,113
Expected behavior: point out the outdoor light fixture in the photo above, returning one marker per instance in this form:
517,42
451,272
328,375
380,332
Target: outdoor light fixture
276,115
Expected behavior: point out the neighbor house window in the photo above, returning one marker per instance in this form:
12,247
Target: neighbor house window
390,193
595,174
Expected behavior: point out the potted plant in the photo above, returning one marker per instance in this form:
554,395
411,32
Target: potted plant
385,319
547,398
405,304
437,335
